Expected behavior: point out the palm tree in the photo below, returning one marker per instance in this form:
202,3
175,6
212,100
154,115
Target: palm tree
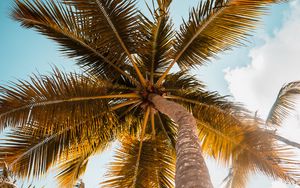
128,93
283,106
284,103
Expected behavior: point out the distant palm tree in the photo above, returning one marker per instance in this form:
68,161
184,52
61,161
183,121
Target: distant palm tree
284,105
128,94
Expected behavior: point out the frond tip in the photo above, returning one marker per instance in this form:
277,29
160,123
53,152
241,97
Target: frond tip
156,167
51,100
73,163
284,104
259,152
68,26
216,26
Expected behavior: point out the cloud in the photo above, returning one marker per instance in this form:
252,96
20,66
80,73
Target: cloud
278,185
273,64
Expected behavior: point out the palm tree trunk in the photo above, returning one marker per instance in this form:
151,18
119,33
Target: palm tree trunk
191,170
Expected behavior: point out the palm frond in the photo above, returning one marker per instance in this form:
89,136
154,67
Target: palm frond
130,122
74,162
54,99
284,103
71,170
231,134
156,52
166,127
31,150
115,24
220,132
182,82
155,170
220,122
17,141
259,152
142,135
282,139
66,26
114,21
215,26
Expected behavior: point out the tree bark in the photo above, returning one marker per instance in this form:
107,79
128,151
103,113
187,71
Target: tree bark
191,170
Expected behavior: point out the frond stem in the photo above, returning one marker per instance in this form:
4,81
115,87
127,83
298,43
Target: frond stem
130,108
117,106
49,139
111,24
146,116
165,131
152,123
282,139
187,100
72,37
197,103
76,99
154,141
208,21
154,50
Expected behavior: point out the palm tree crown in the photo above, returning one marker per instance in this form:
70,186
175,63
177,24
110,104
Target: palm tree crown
64,118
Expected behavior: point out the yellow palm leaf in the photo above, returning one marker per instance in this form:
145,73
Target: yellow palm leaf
156,167
216,26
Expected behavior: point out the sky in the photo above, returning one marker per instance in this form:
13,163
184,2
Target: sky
251,75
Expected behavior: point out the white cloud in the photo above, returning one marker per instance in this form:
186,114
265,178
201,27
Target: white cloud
278,185
274,63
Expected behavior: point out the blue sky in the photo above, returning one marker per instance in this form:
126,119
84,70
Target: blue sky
24,52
